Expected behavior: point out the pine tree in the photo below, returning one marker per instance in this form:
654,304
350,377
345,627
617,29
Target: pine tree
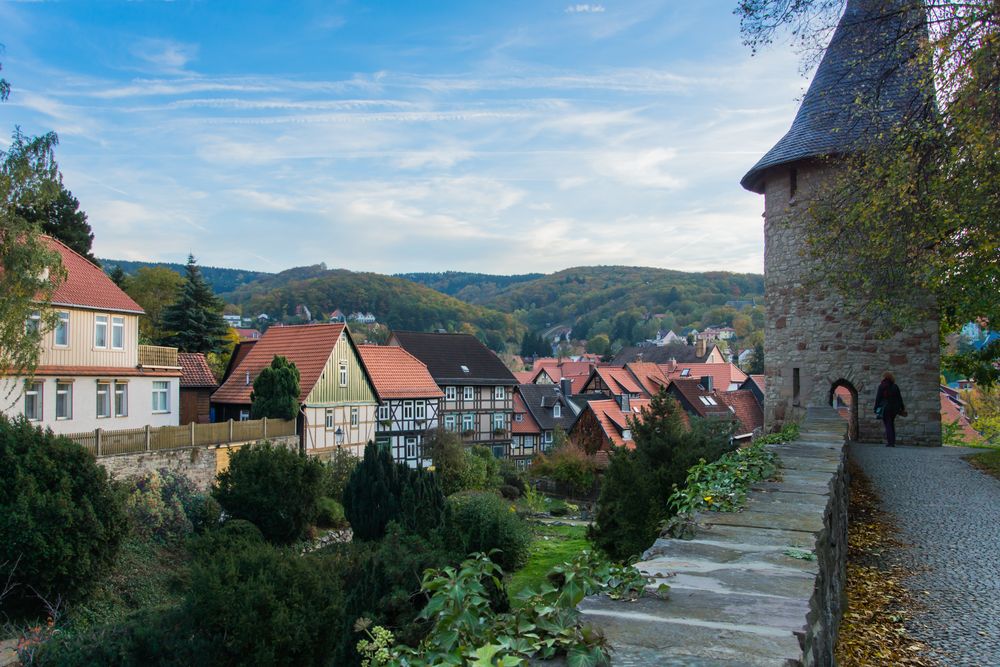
62,218
118,276
195,320
275,392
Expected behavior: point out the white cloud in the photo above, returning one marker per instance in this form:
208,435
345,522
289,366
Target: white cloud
166,55
584,9
640,168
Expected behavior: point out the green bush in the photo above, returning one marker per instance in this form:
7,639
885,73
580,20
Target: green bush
482,522
61,519
569,466
558,508
461,468
338,471
274,488
155,505
331,514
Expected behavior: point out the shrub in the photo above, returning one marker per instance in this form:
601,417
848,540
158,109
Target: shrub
381,491
155,505
558,508
338,471
61,519
331,514
482,522
512,477
460,468
272,487
569,466
510,492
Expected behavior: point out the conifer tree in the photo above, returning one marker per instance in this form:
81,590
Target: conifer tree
275,392
61,218
195,320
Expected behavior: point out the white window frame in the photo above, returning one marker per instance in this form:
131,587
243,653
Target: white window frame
36,390
117,331
468,422
101,325
343,373
104,405
62,329
328,419
355,417
411,448
518,417
121,391
383,412
407,410
450,393
34,322
161,388
557,410
449,422
64,390
244,414
499,393
420,410
468,393
548,437
499,421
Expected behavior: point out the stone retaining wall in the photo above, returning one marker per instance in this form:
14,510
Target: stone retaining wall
759,587
200,464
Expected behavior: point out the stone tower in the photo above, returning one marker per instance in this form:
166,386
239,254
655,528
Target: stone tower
814,343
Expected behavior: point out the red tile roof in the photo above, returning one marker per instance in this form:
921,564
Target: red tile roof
649,375
950,414
87,286
723,375
524,377
527,425
395,373
614,422
693,392
195,371
247,334
745,408
618,380
308,346
759,381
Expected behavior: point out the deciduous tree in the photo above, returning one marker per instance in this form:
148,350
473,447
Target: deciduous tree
154,288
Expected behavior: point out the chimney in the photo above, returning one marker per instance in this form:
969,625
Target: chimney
699,347
672,364
706,382
566,387
623,403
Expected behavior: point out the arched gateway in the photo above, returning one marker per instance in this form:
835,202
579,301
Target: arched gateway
812,337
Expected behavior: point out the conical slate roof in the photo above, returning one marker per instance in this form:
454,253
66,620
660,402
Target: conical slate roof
865,83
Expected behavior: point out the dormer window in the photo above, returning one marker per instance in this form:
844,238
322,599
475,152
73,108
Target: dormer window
465,369
557,410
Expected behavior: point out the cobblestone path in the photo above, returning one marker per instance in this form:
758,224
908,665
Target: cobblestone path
948,513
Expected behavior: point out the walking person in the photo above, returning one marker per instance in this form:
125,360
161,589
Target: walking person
888,404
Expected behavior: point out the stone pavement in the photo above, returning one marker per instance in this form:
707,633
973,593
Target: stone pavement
948,513
741,592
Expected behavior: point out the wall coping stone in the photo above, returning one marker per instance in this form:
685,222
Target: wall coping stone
736,597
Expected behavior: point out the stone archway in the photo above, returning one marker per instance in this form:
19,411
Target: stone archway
844,399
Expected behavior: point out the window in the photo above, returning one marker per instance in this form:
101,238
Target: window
468,422
329,418
449,422
33,401
104,399
548,437
450,393
161,398
101,331
499,393
421,410
118,333
499,422
796,386
499,452
793,182
354,417
686,373
62,330
627,434
519,417
64,400
407,409
383,413
707,400
244,415
557,410
343,373
121,399
411,448
34,322
468,393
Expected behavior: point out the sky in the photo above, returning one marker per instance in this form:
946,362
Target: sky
499,137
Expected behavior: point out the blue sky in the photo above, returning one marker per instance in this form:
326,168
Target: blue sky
397,136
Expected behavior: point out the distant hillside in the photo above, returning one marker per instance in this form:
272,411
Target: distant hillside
398,303
620,300
222,280
470,287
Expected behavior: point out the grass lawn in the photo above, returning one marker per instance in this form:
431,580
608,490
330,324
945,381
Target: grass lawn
552,545
987,461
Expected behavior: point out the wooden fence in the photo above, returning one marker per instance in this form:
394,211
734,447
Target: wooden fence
147,439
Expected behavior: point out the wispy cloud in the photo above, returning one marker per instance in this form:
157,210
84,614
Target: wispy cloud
165,55
584,9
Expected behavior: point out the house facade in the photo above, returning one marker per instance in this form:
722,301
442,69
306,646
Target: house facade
478,388
337,399
92,373
539,410
409,402
197,386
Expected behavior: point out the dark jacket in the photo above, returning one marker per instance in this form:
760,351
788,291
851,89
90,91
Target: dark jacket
889,398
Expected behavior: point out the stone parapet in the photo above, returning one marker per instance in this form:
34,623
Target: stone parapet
759,587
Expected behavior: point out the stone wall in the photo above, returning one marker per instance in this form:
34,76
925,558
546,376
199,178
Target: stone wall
759,587
812,329
199,464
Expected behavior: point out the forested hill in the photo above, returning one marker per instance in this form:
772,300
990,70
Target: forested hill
470,287
222,280
622,297
397,303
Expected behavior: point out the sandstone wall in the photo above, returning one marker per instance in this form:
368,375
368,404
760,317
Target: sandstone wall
810,328
199,464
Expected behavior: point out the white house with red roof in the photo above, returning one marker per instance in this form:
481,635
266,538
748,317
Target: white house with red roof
92,373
